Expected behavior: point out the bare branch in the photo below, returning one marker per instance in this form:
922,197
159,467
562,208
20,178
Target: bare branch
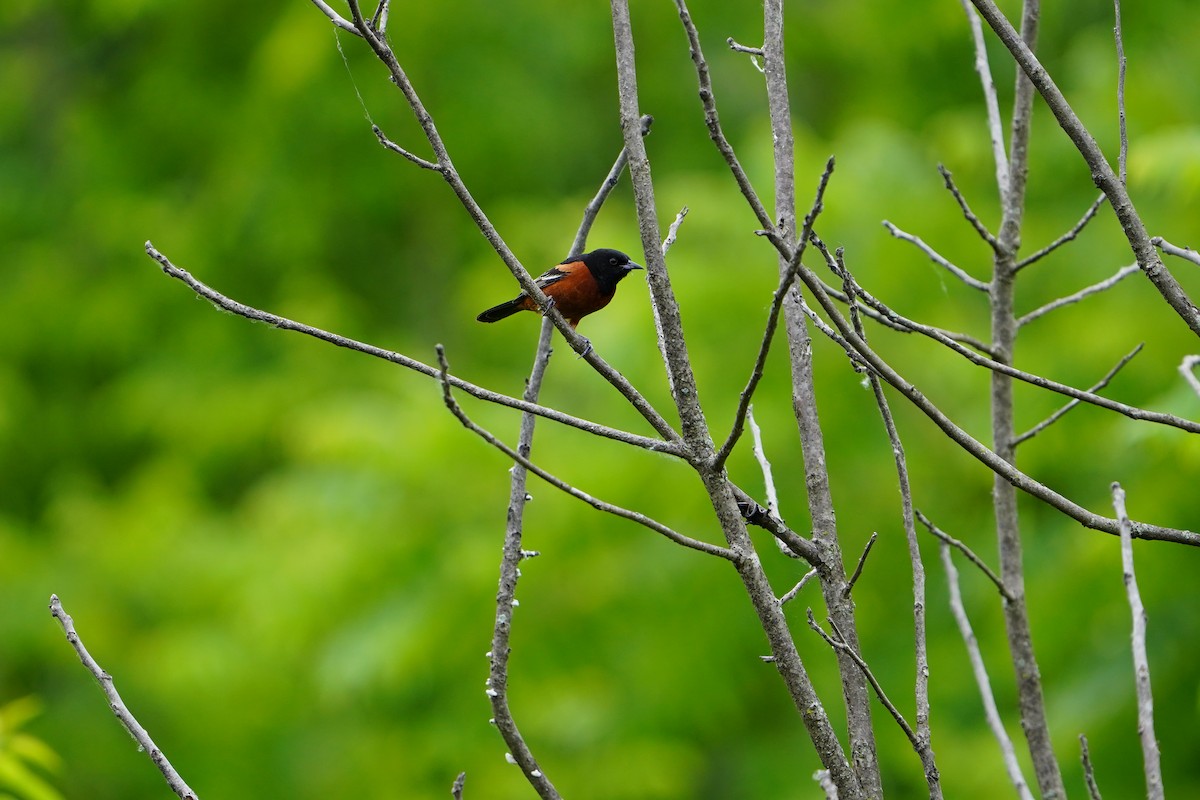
790,595
713,122
760,455
395,148
336,18
1070,235
1124,153
673,231
741,48
447,170
510,573
600,505
921,748
966,551
980,228
283,323
117,705
456,791
995,124
1089,774
1187,368
1053,418
1034,380
1011,765
920,634
937,258
1102,172
1095,288
781,291
862,561
610,182
1141,662
1172,250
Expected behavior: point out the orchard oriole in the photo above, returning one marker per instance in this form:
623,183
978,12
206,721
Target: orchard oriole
579,286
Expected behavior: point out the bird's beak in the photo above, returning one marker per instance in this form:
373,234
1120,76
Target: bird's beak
631,266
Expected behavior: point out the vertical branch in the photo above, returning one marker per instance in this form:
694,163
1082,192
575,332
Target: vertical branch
506,594
855,692
1004,496
1141,663
1011,765
923,733
703,456
666,310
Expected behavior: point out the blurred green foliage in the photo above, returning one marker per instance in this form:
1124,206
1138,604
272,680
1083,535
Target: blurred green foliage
286,553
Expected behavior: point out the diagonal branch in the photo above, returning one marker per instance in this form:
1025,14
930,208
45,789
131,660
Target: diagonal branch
966,551
941,337
117,705
980,228
1095,288
937,257
971,445
1070,235
781,292
1053,418
600,505
447,170
1011,765
283,323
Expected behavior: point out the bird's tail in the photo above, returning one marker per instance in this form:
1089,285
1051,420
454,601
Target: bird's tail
497,313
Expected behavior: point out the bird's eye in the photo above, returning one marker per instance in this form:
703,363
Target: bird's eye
612,261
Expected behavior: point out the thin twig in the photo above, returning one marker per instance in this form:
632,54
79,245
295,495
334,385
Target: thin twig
1095,288
395,148
117,705
1089,774
1141,662
937,257
839,645
673,230
1187,368
1053,418
1026,377
790,595
1102,172
600,505
447,170
1070,235
336,18
1008,753
980,228
760,455
966,551
781,291
1179,252
992,103
920,634
592,210
1124,153
862,561
283,323
713,121
379,19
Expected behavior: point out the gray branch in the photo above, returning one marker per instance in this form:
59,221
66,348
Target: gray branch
117,705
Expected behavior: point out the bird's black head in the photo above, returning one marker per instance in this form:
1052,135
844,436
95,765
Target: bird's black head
608,266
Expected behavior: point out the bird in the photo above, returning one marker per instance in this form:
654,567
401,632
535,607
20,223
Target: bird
580,285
